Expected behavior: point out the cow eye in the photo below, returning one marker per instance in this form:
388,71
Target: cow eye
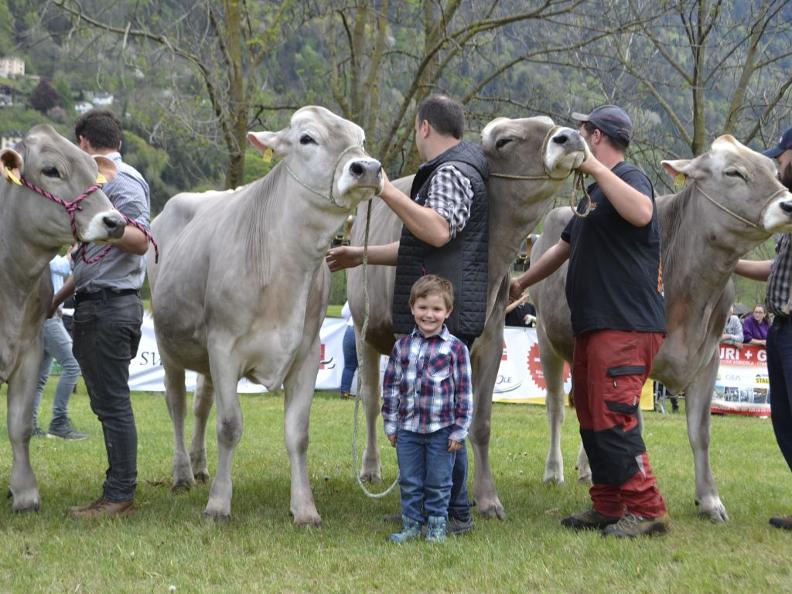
306,139
735,173
502,142
50,172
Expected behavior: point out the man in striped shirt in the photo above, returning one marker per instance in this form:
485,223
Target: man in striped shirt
427,409
778,274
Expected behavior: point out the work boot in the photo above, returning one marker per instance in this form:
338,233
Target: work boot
410,530
784,522
103,508
457,527
590,519
632,525
437,529
65,430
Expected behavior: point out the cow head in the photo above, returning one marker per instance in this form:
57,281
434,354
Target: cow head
51,163
532,147
742,185
325,154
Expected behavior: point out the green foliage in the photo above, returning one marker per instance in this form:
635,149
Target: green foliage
151,162
338,288
6,29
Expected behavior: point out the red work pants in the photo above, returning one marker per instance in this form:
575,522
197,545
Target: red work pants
608,371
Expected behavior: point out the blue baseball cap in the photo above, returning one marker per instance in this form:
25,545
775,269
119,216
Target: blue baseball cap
784,144
611,119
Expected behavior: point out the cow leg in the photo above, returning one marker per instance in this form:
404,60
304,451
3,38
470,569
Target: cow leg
225,375
485,373
698,399
299,387
176,400
21,392
553,368
202,406
583,467
371,469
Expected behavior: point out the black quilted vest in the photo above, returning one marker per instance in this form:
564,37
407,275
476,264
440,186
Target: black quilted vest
463,260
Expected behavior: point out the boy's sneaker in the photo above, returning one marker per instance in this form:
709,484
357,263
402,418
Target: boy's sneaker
632,525
66,431
784,522
410,531
436,532
590,519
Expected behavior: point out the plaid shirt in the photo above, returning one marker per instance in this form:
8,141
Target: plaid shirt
450,195
778,285
427,385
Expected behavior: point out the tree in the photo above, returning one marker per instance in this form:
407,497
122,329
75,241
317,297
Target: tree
44,97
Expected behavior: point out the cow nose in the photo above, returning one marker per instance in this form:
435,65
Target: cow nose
786,206
115,224
361,168
560,138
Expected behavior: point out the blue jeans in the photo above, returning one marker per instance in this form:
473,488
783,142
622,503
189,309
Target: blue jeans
350,359
425,466
106,338
58,346
779,370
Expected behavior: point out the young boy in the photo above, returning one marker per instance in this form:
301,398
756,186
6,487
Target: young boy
427,409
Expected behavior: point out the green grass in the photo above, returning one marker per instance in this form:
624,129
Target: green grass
169,543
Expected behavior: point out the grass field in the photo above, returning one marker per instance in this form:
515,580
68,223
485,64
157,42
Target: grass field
169,543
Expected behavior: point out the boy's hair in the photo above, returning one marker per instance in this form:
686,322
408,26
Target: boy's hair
444,115
101,127
429,284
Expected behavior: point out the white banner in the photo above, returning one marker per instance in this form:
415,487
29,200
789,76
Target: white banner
742,374
520,377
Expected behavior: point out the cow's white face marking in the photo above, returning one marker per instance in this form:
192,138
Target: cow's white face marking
98,229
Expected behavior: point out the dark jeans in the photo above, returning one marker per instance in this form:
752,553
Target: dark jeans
424,473
779,370
350,359
106,338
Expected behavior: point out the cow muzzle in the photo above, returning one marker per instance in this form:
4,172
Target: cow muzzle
565,151
360,173
105,226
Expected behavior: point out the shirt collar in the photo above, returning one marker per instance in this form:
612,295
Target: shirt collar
444,334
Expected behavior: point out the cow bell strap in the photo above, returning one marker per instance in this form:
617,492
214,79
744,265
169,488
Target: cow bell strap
329,196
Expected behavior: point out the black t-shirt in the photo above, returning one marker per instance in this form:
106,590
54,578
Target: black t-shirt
614,281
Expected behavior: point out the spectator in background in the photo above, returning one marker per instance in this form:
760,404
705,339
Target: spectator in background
523,314
57,345
733,330
350,353
755,326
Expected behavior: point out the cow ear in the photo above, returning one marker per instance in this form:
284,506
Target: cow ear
107,169
11,165
268,142
679,169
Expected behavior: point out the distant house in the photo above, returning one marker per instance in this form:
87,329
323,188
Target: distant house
9,139
82,106
11,67
99,98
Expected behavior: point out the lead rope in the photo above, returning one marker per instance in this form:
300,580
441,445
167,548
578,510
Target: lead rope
361,370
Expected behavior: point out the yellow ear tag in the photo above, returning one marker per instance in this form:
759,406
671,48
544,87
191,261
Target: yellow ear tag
267,155
12,177
101,179
679,180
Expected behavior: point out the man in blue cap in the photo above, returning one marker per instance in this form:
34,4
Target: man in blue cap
778,274
615,293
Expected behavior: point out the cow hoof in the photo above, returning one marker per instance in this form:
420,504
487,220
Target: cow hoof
23,507
181,486
201,476
491,510
217,517
554,480
308,521
716,514
370,477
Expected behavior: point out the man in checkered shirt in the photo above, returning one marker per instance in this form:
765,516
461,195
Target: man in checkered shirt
778,274
445,232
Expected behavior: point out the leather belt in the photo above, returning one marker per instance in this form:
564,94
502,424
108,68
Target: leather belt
102,294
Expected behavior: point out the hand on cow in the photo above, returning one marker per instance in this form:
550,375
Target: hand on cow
392,440
454,446
347,256
515,290
383,183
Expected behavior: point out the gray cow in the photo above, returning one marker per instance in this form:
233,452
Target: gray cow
33,226
241,291
732,202
529,159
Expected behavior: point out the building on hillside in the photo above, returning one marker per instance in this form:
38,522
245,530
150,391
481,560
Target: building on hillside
9,139
11,67
82,106
99,98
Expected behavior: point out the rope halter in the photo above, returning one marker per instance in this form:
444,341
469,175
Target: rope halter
329,196
578,183
74,206
728,211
